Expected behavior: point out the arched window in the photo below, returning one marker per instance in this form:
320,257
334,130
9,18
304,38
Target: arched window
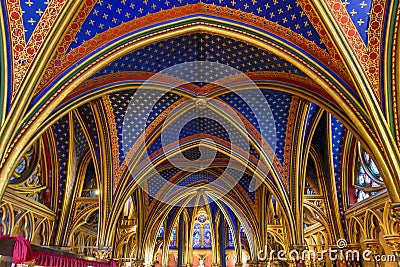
243,236
27,178
90,188
172,243
160,232
368,181
202,237
26,166
231,244
128,208
207,235
309,190
197,236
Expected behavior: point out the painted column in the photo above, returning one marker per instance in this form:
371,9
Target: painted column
165,249
187,257
215,242
222,238
180,240
239,245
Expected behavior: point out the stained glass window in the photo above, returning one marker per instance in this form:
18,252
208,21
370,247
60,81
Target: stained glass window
368,181
127,207
172,243
308,188
231,244
90,188
25,166
202,236
243,236
202,218
197,236
207,235
160,232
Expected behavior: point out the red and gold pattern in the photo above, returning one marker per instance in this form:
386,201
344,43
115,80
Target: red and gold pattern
24,54
395,75
319,27
57,60
125,76
369,57
293,113
112,128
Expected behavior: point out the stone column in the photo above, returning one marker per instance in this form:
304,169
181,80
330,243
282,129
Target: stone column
239,262
180,240
165,249
222,239
373,245
394,242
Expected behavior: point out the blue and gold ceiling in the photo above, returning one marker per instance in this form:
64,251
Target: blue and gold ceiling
359,11
109,14
279,103
200,47
88,119
61,132
191,48
80,143
32,12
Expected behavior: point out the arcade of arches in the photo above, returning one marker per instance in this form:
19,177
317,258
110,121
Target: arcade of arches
202,133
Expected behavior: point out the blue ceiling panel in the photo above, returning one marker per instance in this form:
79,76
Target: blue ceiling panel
200,47
107,14
32,11
359,11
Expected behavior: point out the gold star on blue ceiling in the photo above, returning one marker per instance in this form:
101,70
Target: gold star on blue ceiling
200,47
32,11
359,11
107,14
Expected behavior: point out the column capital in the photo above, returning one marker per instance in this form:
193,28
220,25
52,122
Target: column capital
393,241
395,211
372,244
102,253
